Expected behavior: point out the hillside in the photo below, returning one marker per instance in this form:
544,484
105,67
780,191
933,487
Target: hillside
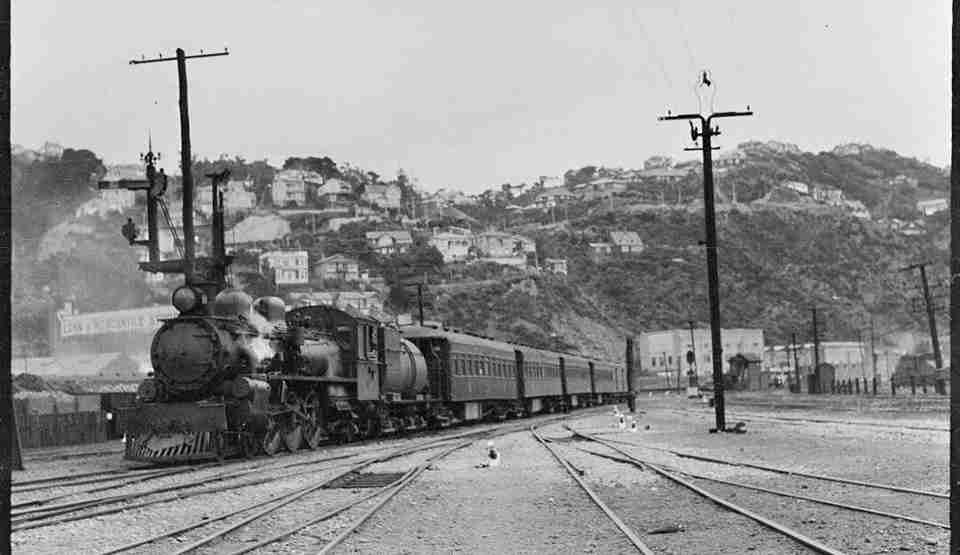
775,263
780,252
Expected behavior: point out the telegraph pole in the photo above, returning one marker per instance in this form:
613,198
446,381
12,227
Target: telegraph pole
816,351
796,361
8,427
955,292
186,158
419,298
931,315
707,131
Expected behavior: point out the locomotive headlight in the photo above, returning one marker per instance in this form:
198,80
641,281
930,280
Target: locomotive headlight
186,299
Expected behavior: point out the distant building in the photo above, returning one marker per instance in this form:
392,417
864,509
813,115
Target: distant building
454,247
828,195
666,351
334,192
850,359
556,265
797,186
665,175
553,196
602,188
932,206
294,187
288,267
389,242
237,197
337,267
626,242
367,302
600,250
384,196
497,244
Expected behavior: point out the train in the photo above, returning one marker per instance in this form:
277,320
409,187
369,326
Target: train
234,377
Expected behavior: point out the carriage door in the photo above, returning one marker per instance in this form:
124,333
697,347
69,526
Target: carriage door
563,379
521,388
593,379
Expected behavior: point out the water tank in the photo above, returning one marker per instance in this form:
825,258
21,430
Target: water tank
409,377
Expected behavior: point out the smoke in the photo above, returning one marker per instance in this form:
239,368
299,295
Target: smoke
261,345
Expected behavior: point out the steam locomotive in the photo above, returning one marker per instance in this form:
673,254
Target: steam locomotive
241,377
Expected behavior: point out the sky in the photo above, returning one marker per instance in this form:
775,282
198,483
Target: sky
469,95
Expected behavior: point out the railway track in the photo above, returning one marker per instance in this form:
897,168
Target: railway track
257,478
381,494
644,542
749,417
845,511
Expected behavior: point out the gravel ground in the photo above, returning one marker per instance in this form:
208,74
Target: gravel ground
527,505
530,505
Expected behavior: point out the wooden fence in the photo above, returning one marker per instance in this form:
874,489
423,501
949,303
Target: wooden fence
57,424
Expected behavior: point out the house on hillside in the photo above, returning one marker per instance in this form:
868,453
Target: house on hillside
237,197
932,206
827,195
385,196
556,265
286,267
665,175
799,187
602,188
389,242
454,247
600,250
626,242
334,192
503,248
294,187
337,267
553,196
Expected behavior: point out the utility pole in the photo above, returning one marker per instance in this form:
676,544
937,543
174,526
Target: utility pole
186,160
816,351
955,293
8,428
707,131
419,298
693,349
796,361
931,315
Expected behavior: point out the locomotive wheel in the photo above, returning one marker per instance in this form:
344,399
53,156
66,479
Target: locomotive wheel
272,442
293,438
312,435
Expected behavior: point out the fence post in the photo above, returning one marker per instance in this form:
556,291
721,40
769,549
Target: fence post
913,385
874,385
893,387
856,383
